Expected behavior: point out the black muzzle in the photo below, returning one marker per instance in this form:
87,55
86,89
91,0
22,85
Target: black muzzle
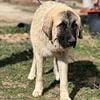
66,41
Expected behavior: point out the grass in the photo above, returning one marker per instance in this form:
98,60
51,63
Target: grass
89,46
16,60
13,30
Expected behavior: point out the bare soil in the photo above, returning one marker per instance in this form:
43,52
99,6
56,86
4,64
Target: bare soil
13,14
15,38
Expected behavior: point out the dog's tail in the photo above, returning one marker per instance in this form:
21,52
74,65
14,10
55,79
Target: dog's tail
40,2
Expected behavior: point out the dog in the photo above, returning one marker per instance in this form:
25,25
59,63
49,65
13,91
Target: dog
54,30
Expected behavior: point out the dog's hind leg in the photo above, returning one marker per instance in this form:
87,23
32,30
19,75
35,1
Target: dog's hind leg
39,76
56,70
32,73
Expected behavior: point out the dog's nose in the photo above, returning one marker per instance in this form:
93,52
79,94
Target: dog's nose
71,40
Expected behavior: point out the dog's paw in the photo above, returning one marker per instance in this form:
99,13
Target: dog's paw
37,93
65,98
64,95
31,76
57,76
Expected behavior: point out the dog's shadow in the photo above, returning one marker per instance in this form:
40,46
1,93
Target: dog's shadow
81,74
17,57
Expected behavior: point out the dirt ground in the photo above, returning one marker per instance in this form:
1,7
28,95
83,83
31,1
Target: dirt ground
13,14
15,38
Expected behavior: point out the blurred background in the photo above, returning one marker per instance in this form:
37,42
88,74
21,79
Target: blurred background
13,12
16,53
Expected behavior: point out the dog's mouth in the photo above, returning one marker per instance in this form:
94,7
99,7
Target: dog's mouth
64,41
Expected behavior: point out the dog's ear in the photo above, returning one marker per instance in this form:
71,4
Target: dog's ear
80,35
74,18
47,27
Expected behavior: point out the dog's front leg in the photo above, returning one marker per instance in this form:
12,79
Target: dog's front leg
39,77
56,70
63,70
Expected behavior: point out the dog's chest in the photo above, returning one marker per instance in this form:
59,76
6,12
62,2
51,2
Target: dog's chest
46,52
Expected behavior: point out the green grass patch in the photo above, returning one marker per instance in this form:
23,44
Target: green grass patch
13,30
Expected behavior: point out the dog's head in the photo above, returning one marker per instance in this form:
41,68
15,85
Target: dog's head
63,29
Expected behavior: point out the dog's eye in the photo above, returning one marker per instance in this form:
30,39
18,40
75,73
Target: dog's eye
63,25
74,25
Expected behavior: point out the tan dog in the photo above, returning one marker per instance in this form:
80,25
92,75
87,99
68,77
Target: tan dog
54,30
